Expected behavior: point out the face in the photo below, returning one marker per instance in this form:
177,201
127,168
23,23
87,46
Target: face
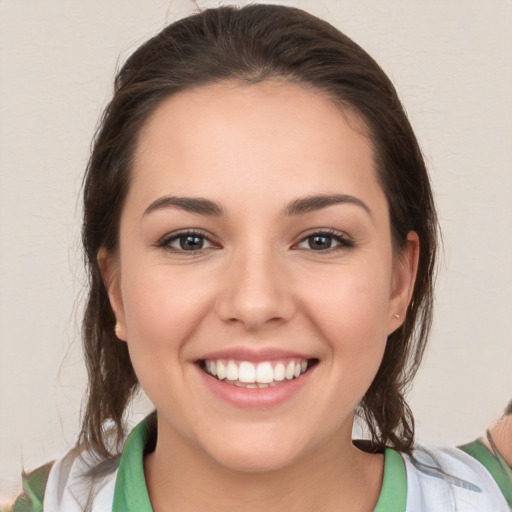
256,282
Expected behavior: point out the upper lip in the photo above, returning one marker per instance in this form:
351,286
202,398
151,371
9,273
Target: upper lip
253,355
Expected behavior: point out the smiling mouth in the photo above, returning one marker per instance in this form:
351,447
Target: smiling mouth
259,375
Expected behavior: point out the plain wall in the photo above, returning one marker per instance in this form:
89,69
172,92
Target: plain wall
451,63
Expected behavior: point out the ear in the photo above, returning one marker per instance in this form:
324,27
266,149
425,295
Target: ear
109,268
403,279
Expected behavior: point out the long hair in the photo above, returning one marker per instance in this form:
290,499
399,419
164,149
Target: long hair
251,45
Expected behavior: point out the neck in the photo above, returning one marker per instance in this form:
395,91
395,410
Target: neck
336,476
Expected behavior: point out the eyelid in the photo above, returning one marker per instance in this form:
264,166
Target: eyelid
164,241
343,239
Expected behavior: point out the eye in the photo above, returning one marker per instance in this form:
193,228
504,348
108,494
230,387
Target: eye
325,241
186,241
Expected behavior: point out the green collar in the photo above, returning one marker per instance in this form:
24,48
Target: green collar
131,493
393,496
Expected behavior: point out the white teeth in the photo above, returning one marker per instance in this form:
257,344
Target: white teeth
221,370
251,375
246,372
232,371
279,372
264,373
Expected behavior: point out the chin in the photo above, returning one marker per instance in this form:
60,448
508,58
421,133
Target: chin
249,455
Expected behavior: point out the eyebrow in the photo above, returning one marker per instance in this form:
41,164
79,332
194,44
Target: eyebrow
300,206
317,202
197,205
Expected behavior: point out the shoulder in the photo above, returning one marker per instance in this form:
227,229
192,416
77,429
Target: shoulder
74,483
81,481
34,484
446,479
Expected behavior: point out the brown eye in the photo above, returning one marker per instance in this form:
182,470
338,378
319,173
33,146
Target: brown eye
320,242
325,242
186,242
191,242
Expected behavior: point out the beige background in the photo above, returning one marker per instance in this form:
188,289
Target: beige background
452,65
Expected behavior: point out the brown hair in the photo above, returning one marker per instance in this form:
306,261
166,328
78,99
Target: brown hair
253,44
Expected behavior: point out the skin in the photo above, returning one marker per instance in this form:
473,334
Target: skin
257,284
501,434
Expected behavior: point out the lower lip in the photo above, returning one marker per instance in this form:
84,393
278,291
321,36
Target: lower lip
254,397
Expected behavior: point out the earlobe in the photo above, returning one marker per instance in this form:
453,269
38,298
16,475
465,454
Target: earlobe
110,272
404,278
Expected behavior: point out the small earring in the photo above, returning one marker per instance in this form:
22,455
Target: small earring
396,315
116,329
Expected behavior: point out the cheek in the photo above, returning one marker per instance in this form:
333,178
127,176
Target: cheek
350,308
163,310
351,292
163,307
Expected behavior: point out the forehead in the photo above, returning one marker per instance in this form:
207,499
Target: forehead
270,138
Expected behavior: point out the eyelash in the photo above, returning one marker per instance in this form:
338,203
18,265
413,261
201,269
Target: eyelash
165,242
343,242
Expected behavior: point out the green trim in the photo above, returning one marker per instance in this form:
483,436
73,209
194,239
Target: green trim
495,464
393,496
34,484
131,493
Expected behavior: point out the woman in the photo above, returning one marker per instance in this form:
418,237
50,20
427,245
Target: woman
261,238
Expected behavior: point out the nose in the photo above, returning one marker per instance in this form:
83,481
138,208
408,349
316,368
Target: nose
256,292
